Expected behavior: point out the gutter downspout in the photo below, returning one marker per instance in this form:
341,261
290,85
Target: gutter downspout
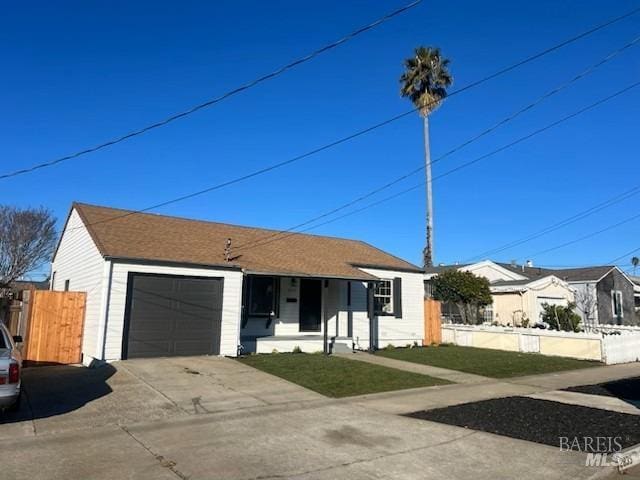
106,301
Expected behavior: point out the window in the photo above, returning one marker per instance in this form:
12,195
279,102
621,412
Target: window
487,314
262,296
66,285
616,303
383,297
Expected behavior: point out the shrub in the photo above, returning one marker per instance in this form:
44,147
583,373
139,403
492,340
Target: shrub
296,349
561,318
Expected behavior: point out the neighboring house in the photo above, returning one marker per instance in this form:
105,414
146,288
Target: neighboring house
163,286
636,294
517,298
603,294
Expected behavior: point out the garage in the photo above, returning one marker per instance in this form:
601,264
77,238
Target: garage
168,315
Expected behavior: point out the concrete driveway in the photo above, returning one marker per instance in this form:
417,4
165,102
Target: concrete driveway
210,418
61,398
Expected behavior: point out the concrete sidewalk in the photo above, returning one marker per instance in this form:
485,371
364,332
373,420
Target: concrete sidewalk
585,376
454,376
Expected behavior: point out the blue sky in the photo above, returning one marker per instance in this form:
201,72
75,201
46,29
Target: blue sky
79,73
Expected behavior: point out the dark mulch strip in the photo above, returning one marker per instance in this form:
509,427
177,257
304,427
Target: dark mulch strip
539,421
626,389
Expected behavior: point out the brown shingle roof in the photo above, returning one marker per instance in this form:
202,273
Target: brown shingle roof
143,236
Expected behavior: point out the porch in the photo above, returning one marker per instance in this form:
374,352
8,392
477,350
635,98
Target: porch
287,313
290,343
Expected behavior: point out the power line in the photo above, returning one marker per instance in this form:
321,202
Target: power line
475,138
612,262
585,237
467,164
222,97
370,128
563,223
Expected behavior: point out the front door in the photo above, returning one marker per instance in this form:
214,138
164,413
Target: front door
310,305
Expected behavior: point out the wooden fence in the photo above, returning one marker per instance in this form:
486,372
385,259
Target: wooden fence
432,322
54,327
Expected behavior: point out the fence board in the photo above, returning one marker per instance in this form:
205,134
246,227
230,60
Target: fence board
55,325
432,322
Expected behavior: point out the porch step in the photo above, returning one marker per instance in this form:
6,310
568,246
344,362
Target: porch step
339,347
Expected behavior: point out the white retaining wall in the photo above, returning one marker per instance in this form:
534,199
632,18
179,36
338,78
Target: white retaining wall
609,349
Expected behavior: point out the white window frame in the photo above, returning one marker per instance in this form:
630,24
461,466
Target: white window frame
389,308
614,294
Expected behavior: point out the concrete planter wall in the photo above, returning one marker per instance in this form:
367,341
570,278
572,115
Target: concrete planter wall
609,349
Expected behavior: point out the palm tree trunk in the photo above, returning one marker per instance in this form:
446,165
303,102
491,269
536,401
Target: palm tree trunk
428,249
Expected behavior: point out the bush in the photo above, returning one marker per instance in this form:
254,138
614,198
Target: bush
468,292
296,349
561,318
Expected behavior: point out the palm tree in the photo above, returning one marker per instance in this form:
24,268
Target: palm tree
635,261
425,81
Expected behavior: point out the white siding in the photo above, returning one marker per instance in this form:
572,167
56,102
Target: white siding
392,330
79,261
231,303
288,323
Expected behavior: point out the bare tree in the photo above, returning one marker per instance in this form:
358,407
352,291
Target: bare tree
27,239
587,302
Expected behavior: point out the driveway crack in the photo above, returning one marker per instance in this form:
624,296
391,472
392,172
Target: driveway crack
31,415
164,462
154,389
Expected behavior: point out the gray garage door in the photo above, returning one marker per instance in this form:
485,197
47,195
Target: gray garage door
170,316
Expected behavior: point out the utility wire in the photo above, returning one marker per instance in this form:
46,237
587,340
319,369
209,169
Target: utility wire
220,98
371,128
612,262
466,164
473,139
556,226
585,237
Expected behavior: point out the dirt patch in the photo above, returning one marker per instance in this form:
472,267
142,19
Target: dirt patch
539,421
625,389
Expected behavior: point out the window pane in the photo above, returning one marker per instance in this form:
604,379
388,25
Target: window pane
261,295
383,302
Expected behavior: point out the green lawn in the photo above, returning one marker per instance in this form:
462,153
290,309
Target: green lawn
486,362
335,376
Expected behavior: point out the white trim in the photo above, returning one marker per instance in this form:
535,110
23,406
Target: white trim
537,284
489,263
615,293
